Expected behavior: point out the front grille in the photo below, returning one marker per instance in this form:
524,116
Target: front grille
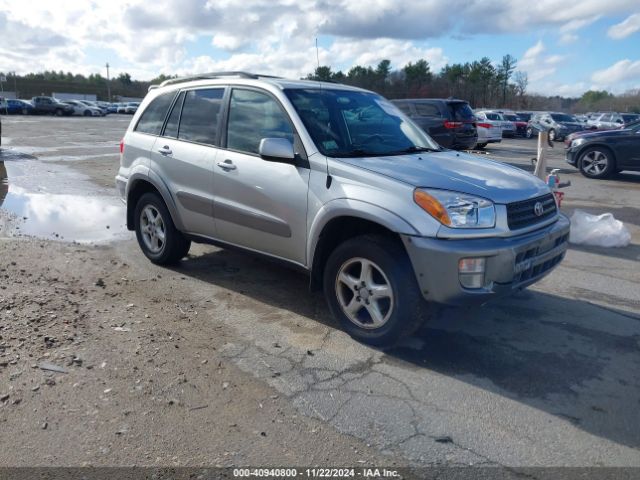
535,262
522,214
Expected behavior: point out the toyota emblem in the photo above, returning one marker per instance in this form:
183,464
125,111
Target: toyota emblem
538,209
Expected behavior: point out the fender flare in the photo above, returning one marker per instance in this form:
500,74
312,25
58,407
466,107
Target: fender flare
344,207
149,176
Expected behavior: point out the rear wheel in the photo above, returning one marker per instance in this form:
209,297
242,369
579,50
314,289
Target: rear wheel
371,289
157,236
552,135
87,113
58,112
596,162
529,132
480,146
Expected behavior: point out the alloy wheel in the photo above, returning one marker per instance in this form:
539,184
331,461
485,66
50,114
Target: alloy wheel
364,293
595,163
152,228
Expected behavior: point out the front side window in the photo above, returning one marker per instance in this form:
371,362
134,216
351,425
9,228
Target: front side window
253,116
347,123
201,116
153,117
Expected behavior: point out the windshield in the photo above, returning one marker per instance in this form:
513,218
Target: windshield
345,123
561,117
630,118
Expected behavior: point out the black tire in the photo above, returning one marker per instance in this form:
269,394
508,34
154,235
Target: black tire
480,146
529,132
407,310
552,135
87,113
174,247
25,111
596,162
58,112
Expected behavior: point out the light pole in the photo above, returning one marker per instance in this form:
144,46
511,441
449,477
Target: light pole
108,84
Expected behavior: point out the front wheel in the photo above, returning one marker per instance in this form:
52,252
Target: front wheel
529,132
596,162
480,146
159,239
552,135
371,289
58,112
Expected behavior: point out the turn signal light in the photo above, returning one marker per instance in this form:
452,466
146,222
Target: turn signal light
432,206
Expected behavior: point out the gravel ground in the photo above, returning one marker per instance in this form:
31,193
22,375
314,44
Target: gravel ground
227,359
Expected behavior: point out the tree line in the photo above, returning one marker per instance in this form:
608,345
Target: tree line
482,83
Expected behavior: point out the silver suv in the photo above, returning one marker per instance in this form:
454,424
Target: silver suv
339,182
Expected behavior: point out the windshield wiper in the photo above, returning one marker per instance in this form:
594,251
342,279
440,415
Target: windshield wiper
414,149
357,152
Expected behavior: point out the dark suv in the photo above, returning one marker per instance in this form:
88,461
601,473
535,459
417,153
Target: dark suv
449,122
50,106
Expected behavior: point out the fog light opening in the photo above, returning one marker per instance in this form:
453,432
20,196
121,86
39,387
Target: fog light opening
471,272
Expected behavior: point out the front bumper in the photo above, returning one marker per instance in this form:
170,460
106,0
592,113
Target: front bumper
570,156
511,263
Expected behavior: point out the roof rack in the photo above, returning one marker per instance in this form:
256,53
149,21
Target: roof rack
214,75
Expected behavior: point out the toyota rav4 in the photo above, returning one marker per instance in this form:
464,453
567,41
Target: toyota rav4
336,181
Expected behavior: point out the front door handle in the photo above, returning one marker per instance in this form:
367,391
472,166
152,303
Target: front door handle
227,165
165,150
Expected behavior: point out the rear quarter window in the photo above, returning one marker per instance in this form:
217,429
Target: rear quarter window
460,111
427,110
153,117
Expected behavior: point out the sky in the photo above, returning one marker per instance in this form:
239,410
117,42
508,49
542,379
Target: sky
565,46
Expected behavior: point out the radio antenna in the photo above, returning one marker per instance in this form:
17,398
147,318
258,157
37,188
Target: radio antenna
317,54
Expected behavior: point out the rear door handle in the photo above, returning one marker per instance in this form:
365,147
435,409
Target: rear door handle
227,165
165,150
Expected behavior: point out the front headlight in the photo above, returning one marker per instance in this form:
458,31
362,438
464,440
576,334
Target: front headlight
576,142
455,209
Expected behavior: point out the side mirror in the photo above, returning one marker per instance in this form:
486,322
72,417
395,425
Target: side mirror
276,150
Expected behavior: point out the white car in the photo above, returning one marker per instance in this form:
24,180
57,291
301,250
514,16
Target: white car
131,107
80,108
489,128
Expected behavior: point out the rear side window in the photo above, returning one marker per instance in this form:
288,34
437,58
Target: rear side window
200,116
171,130
427,110
460,111
405,107
153,117
492,116
252,117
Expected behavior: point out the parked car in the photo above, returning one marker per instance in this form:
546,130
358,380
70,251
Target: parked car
339,183
559,125
15,106
3,105
508,128
81,108
94,105
449,122
131,107
489,128
113,108
520,123
50,106
602,153
608,121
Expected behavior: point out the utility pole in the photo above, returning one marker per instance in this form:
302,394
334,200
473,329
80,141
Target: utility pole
15,84
108,84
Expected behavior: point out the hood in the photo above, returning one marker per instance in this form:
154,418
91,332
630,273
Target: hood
461,172
611,133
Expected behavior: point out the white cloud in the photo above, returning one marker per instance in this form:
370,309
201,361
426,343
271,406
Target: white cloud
276,36
622,72
537,65
627,27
